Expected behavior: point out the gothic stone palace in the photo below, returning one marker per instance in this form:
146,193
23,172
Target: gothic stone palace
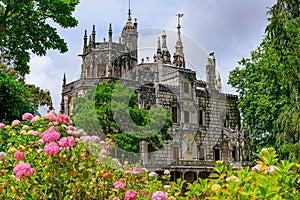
206,121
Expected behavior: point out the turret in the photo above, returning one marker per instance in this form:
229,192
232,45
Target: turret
129,38
211,72
165,52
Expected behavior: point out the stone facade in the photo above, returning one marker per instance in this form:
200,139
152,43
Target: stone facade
206,121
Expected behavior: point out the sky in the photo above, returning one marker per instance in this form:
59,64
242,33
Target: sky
229,28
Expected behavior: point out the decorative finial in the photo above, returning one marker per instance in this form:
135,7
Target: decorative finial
179,15
129,11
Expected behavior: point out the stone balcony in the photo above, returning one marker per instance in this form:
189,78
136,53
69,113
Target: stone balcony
189,164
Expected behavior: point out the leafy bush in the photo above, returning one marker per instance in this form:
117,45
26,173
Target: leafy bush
48,158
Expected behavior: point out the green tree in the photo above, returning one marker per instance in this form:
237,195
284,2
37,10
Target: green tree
14,97
25,28
145,122
84,113
269,83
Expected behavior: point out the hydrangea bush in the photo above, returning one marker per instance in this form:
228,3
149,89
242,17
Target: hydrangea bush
48,158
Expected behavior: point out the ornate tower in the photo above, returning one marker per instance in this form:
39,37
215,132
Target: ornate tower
129,38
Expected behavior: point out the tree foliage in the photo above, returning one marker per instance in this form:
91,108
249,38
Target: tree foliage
15,98
25,26
269,83
84,113
145,122
36,96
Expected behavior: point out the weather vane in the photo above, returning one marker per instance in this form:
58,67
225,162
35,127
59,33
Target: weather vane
179,15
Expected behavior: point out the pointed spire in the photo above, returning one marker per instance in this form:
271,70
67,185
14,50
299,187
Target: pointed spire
178,55
179,46
85,40
129,11
129,24
94,36
64,79
110,33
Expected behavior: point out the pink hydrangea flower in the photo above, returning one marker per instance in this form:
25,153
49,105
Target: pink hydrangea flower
167,186
160,195
51,148
23,169
34,119
63,118
2,125
103,152
50,134
272,169
117,161
67,142
16,123
145,193
130,195
19,155
35,133
119,184
152,174
166,172
27,116
39,150
3,156
139,170
51,116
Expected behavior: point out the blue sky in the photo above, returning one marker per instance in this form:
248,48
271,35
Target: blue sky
230,28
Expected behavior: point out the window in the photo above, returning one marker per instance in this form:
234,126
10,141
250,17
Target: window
174,114
201,117
186,87
217,154
233,153
175,153
150,150
186,116
201,153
